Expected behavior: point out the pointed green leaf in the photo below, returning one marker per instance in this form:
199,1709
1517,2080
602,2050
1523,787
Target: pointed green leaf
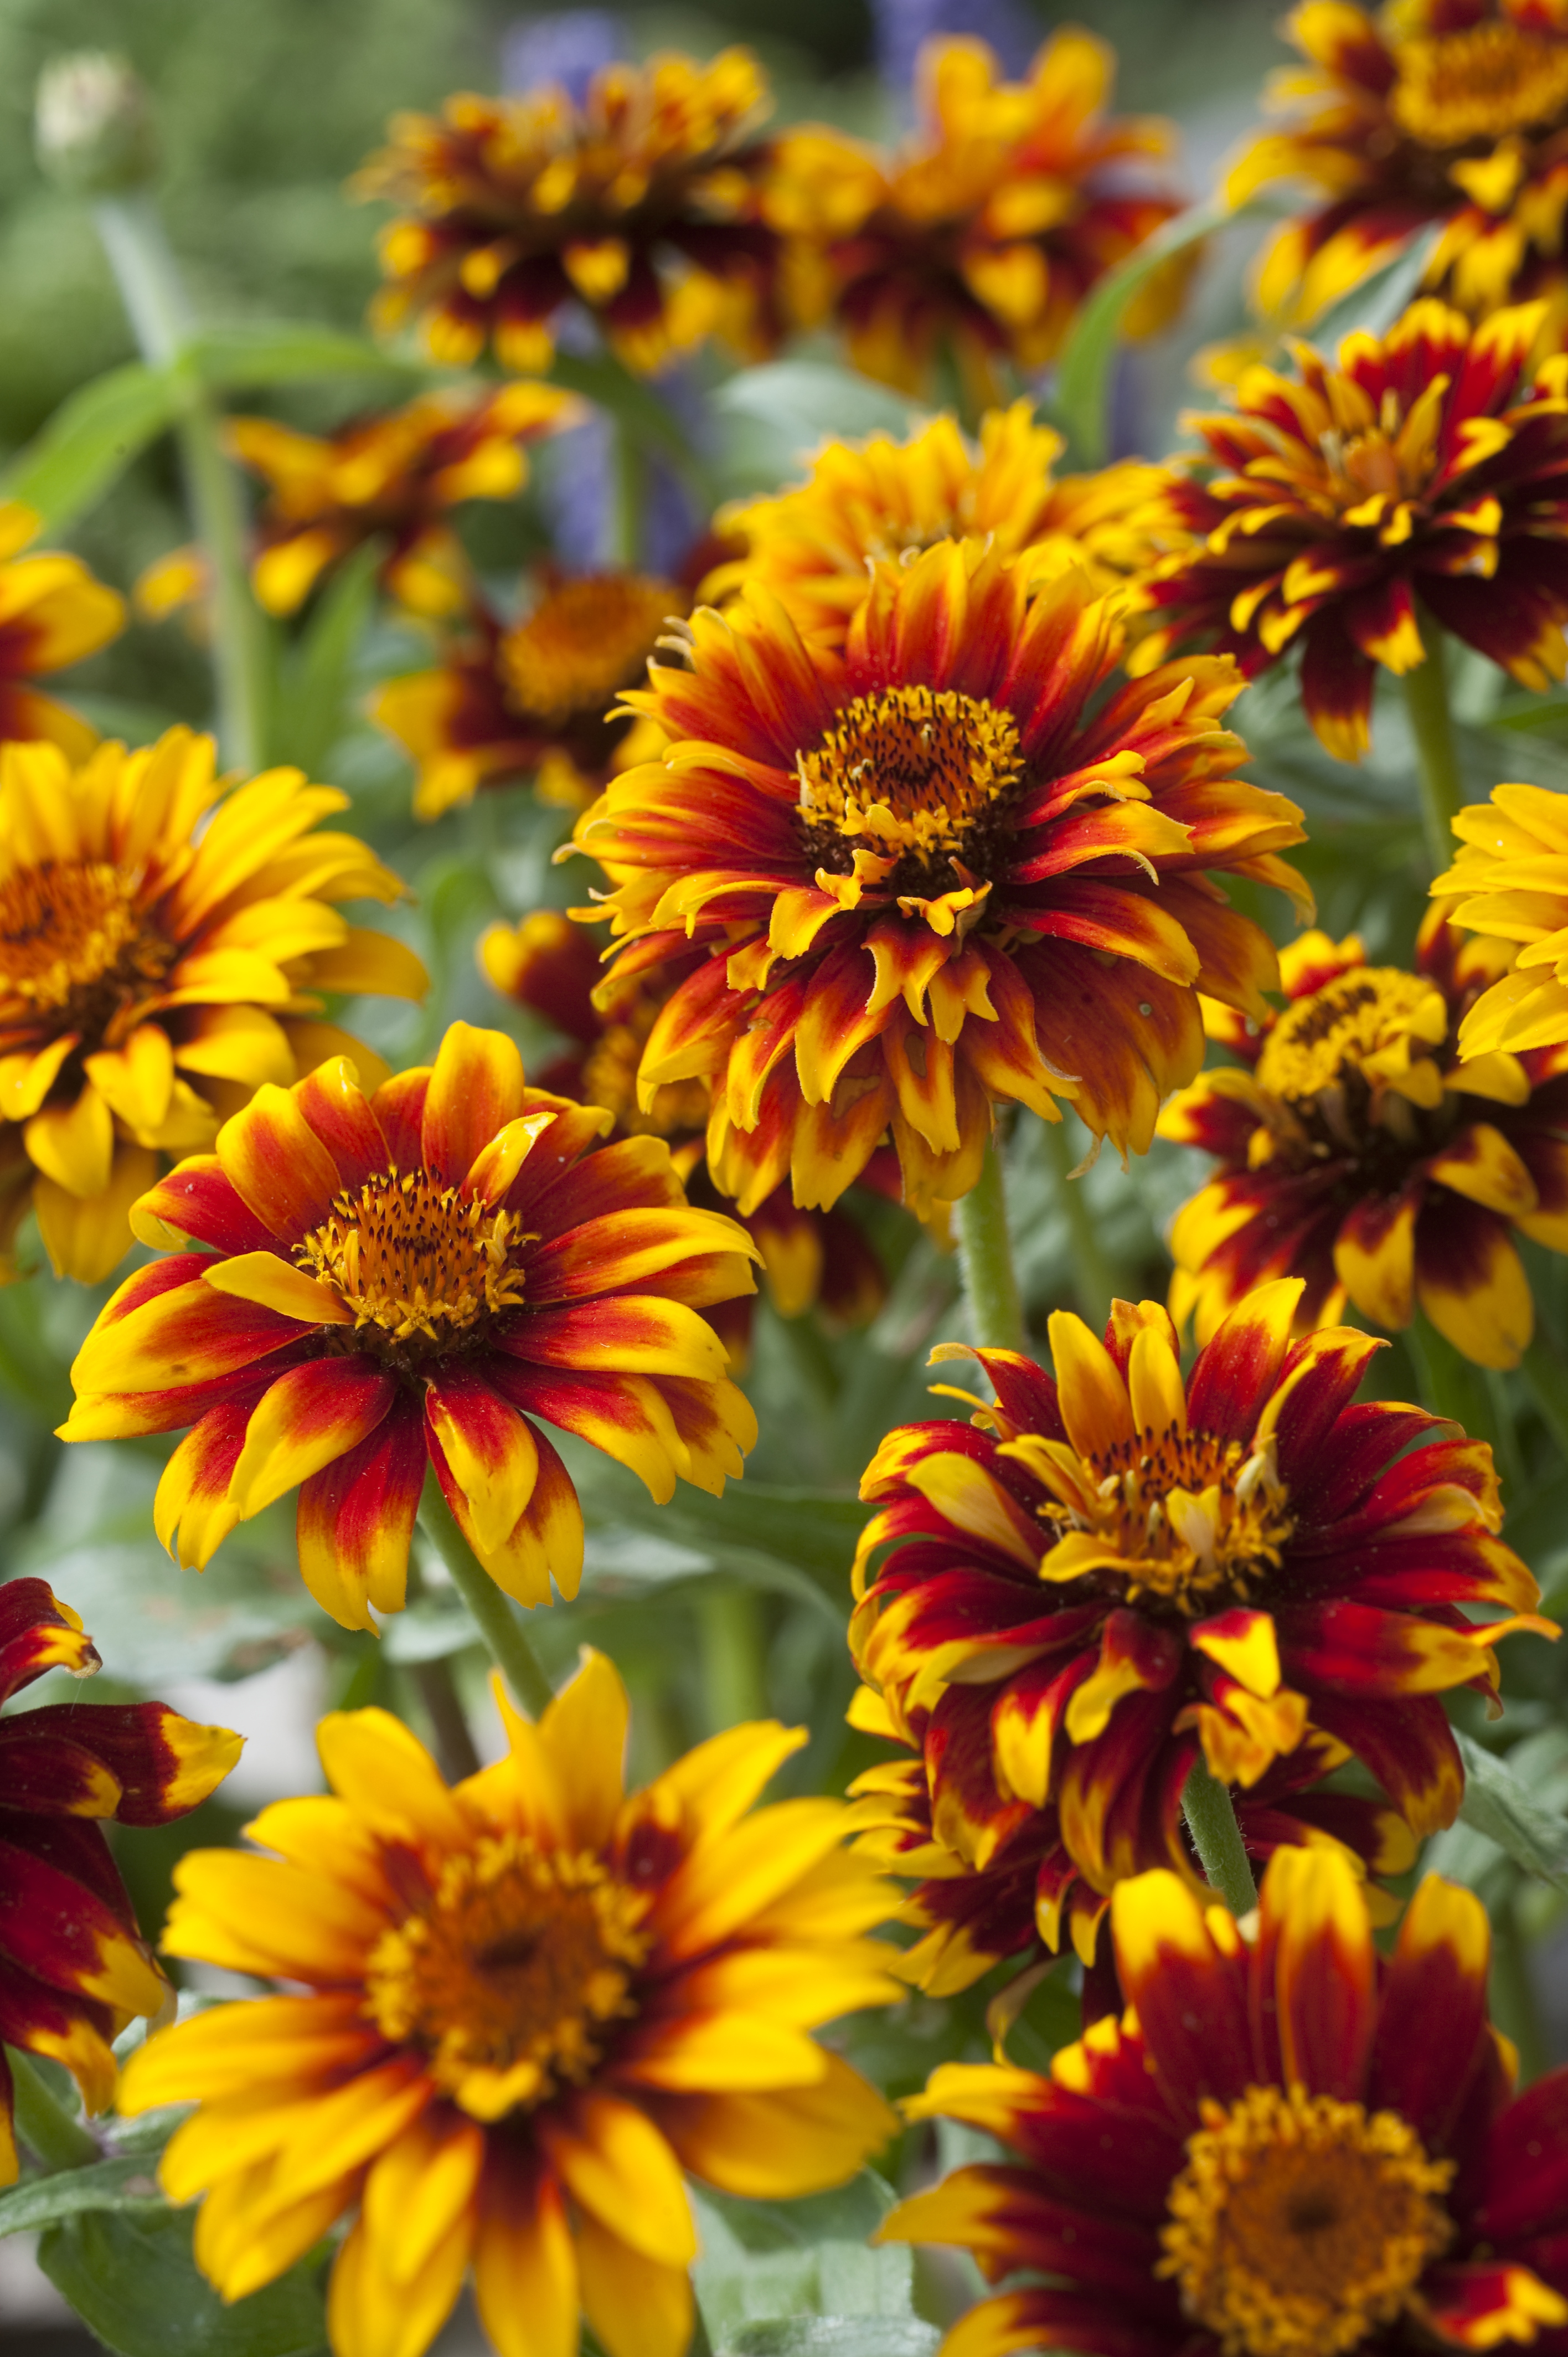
1497,1804
134,2282
1082,396
90,440
126,2184
247,352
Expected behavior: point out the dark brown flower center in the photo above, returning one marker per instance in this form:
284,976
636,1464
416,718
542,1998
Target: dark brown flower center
585,641
75,946
1355,1070
919,775
418,1262
1478,84
1189,1520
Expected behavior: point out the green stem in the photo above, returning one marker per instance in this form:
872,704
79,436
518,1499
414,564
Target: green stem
1437,763
438,1690
1216,1837
989,1280
810,1357
1548,1379
49,2132
1092,1281
497,1623
629,495
1513,2004
1451,1385
729,1623
154,299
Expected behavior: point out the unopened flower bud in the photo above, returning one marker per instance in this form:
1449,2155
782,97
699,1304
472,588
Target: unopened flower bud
93,125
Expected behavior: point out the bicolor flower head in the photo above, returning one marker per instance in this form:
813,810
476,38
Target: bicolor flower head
954,865
74,1968
358,1285
165,939
982,234
1113,1569
1287,2146
642,204
518,2010
1507,887
1428,467
812,546
394,479
52,612
1446,112
1360,1153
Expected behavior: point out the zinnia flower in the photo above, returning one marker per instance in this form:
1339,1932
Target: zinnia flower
52,612
1507,884
533,698
1288,2145
950,865
163,944
1361,1155
1453,112
641,204
74,1969
531,2003
811,546
372,1283
392,478
1103,1565
1423,468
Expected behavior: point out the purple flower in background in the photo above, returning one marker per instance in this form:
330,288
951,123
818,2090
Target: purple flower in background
568,45
901,27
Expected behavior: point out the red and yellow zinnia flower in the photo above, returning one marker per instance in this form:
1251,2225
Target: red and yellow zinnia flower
164,943
643,205
530,2003
52,612
1287,2146
1424,470
392,478
952,865
357,1285
1506,886
74,1968
1106,1571
1361,1155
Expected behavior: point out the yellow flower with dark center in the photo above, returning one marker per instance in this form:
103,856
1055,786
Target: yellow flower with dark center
1507,887
165,943
519,2009
52,612
585,639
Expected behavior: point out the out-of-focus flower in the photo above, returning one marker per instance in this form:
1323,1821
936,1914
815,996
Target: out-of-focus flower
1361,1155
52,612
164,945
812,546
948,867
1452,112
179,581
983,235
93,125
392,478
1104,1563
1506,886
809,1260
642,204
530,2002
1288,2145
361,1286
534,697
74,1969
1425,467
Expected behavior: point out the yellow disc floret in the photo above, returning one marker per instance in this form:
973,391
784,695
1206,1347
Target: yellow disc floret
912,772
1376,1020
71,931
411,1257
1481,82
584,640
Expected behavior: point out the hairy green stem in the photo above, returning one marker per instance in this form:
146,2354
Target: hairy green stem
49,2132
987,1253
438,1690
1216,1837
497,1623
1548,1379
729,1626
1437,763
1513,2001
1092,1279
629,495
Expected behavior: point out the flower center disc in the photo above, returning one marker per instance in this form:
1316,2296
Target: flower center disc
1301,2224
585,641
912,772
1346,1028
513,1975
72,942
1479,83
1190,1517
414,1258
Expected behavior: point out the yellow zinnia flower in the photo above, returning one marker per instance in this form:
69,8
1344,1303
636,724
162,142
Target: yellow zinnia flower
1507,884
530,2003
52,612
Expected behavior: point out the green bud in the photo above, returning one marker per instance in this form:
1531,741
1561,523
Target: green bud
93,125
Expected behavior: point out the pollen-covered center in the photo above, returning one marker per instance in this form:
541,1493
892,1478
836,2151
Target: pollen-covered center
916,774
585,641
1301,2224
1479,83
1373,1022
74,943
513,1975
416,1260
1184,1518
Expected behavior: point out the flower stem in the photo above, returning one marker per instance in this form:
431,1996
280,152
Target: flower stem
1092,1279
154,299
1451,1385
1548,1379
497,1623
1438,763
989,1280
729,1625
629,494
49,2131
438,1690
1216,1837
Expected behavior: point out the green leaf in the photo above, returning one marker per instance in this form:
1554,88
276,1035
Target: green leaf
780,2262
126,2184
1376,302
1082,396
310,710
834,2336
1497,1804
649,423
90,440
133,2281
247,352
770,419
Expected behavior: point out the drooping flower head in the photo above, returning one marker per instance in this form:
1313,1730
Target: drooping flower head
1507,887
164,941
392,478
982,235
1288,2145
811,546
530,2002
642,204
74,1968
1110,1570
1424,468
52,612
1452,112
1359,1153
952,865
357,1285
534,696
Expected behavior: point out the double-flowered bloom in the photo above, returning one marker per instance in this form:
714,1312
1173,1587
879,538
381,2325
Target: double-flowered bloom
519,2009
1509,886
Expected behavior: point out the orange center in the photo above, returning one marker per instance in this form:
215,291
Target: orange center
1479,83
911,772
415,1259
585,641
73,942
